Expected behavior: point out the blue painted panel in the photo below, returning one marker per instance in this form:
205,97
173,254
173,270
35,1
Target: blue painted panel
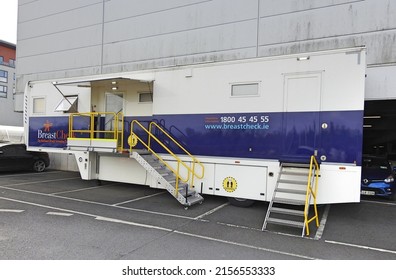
282,136
48,132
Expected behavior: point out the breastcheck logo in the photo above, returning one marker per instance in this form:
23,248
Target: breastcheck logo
47,126
48,135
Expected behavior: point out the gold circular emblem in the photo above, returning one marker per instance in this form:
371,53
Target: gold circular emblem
230,184
132,140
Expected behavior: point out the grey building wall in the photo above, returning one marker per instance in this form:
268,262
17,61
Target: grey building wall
59,38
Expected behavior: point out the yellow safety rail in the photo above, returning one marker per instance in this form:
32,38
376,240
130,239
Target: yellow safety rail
312,191
92,132
191,171
120,131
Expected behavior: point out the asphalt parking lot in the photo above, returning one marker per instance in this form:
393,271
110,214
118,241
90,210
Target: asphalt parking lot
56,215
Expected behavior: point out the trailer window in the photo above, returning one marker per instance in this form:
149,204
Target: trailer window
251,89
38,105
145,97
67,105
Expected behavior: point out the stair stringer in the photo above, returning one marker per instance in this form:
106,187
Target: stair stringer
168,186
284,186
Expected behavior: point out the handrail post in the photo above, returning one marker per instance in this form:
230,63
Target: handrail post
92,123
149,135
177,178
70,125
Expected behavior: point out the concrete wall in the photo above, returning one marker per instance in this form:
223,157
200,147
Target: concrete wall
74,38
64,162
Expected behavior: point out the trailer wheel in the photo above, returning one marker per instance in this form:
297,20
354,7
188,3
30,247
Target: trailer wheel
240,202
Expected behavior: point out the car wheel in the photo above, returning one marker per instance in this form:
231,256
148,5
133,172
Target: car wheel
39,165
240,202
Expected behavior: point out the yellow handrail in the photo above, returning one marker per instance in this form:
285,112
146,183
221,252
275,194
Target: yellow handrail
116,132
312,191
194,160
180,163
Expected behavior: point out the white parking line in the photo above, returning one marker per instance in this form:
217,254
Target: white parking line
79,190
379,202
107,219
99,218
245,245
212,211
99,203
60,214
361,247
30,174
238,226
11,210
137,199
322,224
45,181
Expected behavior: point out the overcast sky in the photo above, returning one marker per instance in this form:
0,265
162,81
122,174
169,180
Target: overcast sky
8,20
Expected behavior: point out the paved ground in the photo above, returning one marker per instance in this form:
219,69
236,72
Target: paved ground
56,215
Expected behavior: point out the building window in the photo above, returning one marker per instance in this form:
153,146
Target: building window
1,59
248,89
68,104
11,62
38,105
3,76
3,91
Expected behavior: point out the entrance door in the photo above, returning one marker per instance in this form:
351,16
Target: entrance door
114,103
301,127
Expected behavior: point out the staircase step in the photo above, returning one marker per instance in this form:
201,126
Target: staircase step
194,200
293,191
295,182
190,192
287,211
296,173
170,178
285,222
155,167
297,165
289,201
182,190
143,152
147,155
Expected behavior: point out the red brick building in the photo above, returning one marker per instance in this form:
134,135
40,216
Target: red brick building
8,116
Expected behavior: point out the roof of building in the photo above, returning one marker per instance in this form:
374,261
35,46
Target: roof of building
7,44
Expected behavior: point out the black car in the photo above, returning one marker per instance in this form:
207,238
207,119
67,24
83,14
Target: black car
14,157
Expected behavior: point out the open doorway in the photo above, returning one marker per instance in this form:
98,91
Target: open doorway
379,130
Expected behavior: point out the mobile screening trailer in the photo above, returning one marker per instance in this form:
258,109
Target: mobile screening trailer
241,129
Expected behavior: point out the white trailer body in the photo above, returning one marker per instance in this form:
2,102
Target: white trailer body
240,119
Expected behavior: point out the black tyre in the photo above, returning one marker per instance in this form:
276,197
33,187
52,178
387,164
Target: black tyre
39,165
240,202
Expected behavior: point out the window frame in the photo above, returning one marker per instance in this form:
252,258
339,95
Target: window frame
241,84
44,105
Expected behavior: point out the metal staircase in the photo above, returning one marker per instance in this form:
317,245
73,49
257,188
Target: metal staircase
176,175
294,192
185,194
